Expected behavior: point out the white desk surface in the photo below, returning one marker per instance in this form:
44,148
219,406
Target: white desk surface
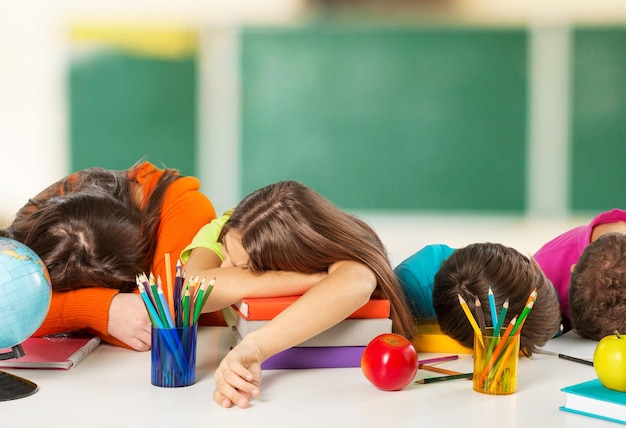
111,387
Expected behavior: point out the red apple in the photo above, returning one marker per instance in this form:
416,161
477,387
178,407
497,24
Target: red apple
389,362
609,361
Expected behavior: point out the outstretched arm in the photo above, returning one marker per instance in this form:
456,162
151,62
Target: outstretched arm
347,287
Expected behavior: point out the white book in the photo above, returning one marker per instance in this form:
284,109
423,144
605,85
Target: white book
349,332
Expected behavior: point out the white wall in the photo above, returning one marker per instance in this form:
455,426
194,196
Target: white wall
33,52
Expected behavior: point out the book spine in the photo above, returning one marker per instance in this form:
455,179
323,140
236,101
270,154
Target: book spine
261,309
315,357
349,332
83,351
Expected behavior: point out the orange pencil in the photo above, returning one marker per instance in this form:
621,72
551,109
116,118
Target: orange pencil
498,350
500,368
438,370
169,289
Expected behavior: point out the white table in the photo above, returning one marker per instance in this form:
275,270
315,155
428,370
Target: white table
111,387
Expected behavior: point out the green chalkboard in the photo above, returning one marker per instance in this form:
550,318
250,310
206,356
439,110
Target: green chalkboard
598,119
388,118
124,107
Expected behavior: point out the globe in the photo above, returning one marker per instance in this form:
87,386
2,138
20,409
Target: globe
25,292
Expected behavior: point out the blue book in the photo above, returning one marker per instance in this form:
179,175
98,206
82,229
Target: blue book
591,398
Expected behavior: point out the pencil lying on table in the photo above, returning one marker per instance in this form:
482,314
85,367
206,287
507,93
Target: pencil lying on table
445,378
566,357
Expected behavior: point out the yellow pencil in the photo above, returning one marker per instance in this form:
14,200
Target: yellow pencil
471,319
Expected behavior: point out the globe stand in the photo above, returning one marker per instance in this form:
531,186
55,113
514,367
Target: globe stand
13,387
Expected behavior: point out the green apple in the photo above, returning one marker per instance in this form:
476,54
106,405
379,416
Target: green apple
609,361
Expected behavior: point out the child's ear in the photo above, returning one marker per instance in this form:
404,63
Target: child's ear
571,269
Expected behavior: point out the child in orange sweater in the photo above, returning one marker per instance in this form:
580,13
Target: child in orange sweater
95,230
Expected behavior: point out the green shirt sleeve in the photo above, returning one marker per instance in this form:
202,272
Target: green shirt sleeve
207,237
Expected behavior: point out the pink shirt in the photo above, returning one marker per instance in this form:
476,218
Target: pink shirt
558,255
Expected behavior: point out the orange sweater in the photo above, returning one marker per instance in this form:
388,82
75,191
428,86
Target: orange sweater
184,211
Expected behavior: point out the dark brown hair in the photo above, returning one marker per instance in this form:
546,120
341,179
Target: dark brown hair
597,291
86,240
288,226
89,231
469,271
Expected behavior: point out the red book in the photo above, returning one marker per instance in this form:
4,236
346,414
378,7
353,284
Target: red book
266,308
52,352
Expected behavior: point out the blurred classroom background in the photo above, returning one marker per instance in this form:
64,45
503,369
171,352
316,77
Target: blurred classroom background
450,121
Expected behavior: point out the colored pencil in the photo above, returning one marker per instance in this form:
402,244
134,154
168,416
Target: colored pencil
575,359
522,317
169,290
492,307
147,302
438,370
186,298
496,353
445,378
176,348
178,286
159,303
500,369
566,357
168,316
470,318
480,316
206,295
438,360
501,318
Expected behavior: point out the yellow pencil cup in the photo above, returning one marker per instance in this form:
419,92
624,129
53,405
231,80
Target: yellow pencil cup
495,363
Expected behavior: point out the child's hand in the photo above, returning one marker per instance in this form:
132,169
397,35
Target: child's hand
238,377
129,321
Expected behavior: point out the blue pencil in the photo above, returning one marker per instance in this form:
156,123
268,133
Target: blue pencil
168,315
492,307
500,323
168,338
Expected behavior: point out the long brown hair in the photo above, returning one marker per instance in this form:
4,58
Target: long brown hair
469,271
288,226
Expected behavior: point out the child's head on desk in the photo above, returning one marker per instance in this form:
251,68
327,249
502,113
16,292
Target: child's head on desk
597,291
472,271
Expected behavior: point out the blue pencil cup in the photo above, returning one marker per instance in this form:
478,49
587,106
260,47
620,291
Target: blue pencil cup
174,356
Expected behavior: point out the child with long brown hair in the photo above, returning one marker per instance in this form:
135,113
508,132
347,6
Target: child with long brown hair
307,246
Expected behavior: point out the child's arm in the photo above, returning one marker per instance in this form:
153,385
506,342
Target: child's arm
117,318
234,283
347,287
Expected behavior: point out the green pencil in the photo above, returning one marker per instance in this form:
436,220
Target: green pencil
202,299
522,317
186,298
445,378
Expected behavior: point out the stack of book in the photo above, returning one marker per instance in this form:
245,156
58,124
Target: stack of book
340,346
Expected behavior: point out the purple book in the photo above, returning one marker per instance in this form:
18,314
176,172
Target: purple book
311,357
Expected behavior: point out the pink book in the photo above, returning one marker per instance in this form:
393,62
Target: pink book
51,352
